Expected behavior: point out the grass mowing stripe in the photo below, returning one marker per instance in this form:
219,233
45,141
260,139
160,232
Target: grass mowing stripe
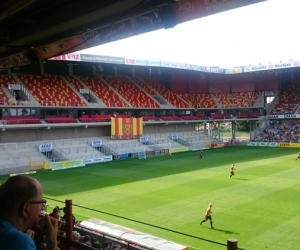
278,237
174,191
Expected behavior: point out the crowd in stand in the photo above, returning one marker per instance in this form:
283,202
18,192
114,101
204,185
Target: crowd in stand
86,239
280,133
26,225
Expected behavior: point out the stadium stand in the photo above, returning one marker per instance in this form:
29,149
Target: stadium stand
239,99
280,133
118,93
143,85
9,120
289,101
220,116
198,101
188,117
77,149
98,234
15,157
95,118
185,140
248,114
51,90
105,93
170,118
131,92
190,139
122,115
4,81
60,119
150,118
77,85
173,99
201,116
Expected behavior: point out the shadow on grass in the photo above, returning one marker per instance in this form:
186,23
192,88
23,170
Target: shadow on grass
97,176
241,179
224,231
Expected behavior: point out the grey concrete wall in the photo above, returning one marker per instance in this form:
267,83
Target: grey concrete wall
171,128
24,135
42,134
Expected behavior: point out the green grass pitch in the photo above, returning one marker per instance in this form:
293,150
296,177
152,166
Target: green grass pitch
259,206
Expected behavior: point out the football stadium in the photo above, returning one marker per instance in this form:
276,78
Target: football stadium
145,154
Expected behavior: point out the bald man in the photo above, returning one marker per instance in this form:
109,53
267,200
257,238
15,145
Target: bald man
21,200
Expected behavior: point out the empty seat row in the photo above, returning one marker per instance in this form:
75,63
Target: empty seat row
170,118
60,119
150,118
9,120
95,118
220,116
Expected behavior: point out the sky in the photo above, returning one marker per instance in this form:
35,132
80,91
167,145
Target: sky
256,34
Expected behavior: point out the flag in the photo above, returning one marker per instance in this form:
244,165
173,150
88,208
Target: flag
126,128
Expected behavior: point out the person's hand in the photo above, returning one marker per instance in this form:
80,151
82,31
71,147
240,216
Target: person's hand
30,233
51,227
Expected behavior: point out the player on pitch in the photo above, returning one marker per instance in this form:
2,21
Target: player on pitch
200,154
232,168
298,156
207,216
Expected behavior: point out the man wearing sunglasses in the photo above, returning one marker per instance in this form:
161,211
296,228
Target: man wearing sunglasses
21,201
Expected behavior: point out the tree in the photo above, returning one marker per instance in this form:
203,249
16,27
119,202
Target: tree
242,126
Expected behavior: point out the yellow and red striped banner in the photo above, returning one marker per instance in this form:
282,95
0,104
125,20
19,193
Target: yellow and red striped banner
126,128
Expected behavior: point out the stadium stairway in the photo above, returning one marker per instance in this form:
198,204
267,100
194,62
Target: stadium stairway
103,91
11,97
134,81
297,110
93,99
77,149
54,155
216,101
107,150
31,99
184,142
143,84
119,147
114,90
71,86
260,101
15,157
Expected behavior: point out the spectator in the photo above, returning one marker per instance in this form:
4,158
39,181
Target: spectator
44,207
76,236
280,133
88,243
116,247
108,245
86,238
21,199
65,216
97,245
55,213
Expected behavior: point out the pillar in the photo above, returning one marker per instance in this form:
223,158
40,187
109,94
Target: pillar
70,69
42,68
233,130
69,222
219,129
232,244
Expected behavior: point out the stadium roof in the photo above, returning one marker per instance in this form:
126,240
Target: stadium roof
32,30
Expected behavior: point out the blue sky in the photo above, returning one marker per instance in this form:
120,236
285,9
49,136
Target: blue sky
260,33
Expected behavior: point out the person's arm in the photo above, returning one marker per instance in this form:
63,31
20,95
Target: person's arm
51,225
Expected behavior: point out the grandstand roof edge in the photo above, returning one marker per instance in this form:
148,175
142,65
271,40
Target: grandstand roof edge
82,57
